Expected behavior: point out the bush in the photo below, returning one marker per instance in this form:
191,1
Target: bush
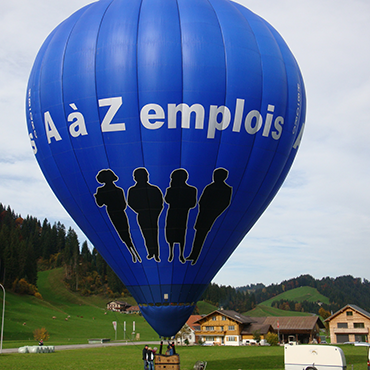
38,295
272,338
21,286
39,334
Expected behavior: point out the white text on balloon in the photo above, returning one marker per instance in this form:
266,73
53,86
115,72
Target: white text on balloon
153,116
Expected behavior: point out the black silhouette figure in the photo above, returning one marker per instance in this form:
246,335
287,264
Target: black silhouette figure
113,198
181,197
214,200
147,201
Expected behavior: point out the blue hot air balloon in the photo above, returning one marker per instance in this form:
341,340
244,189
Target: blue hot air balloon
165,128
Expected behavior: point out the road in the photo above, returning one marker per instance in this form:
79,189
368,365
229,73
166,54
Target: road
93,345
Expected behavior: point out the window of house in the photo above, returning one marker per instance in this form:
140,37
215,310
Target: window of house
223,318
342,338
213,318
358,325
231,327
349,313
208,328
231,339
342,325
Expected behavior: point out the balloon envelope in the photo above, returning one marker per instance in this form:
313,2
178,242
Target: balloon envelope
165,128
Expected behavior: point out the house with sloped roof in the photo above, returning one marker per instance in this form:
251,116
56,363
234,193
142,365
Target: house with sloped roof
226,327
300,329
350,324
187,332
117,306
222,327
133,309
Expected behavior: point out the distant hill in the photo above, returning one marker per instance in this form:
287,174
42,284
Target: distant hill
28,246
332,293
262,311
204,308
301,294
339,291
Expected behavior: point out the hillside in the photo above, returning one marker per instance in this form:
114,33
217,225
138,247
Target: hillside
339,291
304,293
28,246
300,294
68,317
205,308
262,311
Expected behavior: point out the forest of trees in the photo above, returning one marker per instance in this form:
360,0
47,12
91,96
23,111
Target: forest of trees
341,291
229,298
29,245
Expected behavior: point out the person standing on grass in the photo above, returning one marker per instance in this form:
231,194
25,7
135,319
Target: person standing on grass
145,351
150,359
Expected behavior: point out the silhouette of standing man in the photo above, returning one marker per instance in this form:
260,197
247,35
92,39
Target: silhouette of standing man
181,197
113,198
147,201
214,200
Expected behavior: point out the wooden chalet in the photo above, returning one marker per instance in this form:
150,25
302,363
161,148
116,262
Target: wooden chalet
350,324
300,329
222,327
226,327
117,306
133,309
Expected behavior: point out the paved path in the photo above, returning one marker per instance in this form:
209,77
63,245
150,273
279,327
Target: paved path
94,345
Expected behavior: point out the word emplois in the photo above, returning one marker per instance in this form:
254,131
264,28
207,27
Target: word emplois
153,116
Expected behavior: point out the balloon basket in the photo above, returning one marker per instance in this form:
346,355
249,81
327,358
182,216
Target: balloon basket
163,362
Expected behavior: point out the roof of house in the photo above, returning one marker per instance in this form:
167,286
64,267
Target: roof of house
133,308
119,302
262,328
236,316
291,322
192,322
353,307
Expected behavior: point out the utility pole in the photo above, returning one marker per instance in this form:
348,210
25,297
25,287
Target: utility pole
2,321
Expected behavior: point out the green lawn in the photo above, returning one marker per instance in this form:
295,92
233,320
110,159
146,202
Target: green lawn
68,317
129,358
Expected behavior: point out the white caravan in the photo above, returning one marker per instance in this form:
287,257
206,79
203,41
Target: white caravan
314,357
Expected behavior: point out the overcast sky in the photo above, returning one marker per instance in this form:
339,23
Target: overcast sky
319,222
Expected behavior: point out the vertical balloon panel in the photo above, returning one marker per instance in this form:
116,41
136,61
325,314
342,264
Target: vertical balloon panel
165,128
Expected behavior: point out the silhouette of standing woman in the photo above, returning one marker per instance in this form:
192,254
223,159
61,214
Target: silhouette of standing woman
113,198
147,201
181,197
214,200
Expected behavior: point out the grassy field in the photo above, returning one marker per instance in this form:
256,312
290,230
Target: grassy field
299,294
262,311
304,293
71,319
205,308
68,317
129,358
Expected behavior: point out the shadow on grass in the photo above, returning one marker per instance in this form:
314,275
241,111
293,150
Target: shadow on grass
257,362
